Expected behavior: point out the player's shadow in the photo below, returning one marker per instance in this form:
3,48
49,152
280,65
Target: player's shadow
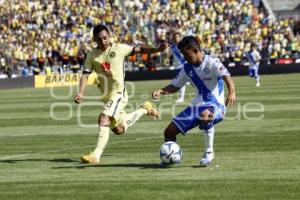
132,165
57,160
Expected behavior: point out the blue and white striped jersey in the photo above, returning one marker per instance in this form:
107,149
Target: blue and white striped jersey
254,58
206,78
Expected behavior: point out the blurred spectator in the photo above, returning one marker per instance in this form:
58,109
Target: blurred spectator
48,70
2,65
25,71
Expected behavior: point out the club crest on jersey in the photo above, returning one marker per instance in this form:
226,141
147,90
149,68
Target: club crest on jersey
112,54
206,71
221,69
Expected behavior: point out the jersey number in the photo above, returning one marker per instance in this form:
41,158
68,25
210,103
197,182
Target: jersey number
109,104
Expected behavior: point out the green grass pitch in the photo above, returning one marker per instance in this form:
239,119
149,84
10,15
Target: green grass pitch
255,159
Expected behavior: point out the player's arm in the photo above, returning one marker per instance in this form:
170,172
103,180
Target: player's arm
84,79
82,85
169,89
178,82
221,71
150,50
258,57
231,98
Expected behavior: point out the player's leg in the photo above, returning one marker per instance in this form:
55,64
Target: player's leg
256,75
171,132
181,95
103,136
111,110
205,116
94,157
208,155
182,123
208,118
251,72
126,120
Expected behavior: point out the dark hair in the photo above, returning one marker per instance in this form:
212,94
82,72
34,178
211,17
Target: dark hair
98,28
176,33
190,42
253,45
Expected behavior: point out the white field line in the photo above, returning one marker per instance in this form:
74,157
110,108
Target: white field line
54,134
35,134
294,128
74,148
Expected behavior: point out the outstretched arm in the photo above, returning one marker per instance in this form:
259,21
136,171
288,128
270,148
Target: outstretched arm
169,89
150,50
231,98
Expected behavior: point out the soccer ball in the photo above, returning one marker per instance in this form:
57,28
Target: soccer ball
170,152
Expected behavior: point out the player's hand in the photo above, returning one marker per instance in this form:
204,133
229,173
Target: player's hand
231,99
163,46
157,93
78,98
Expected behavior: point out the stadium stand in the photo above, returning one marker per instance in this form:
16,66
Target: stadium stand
40,37
278,5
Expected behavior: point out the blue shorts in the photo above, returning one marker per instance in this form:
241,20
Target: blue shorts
189,117
253,72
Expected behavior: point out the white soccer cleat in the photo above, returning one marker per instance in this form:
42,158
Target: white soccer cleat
257,84
207,158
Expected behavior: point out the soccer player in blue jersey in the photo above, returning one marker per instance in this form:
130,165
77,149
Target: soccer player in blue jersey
206,74
254,59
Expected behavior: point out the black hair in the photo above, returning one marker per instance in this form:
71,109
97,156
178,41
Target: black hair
190,42
98,28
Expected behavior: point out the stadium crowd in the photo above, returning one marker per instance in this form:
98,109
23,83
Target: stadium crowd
46,36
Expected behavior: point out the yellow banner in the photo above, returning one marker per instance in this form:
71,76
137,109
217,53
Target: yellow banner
58,80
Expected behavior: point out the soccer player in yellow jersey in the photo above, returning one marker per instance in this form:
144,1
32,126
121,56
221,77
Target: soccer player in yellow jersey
107,60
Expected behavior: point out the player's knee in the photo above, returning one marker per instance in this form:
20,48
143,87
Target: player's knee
206,117
211,116
103,120
119,130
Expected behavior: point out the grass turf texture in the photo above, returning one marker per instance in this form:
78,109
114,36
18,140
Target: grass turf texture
39,156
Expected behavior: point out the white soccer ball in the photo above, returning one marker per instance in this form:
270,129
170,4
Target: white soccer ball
170,152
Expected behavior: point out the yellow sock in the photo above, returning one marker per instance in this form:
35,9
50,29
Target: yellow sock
102,140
